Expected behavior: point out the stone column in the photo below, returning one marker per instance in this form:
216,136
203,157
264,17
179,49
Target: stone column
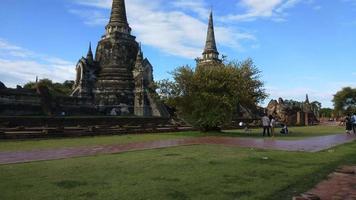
306,118
298,119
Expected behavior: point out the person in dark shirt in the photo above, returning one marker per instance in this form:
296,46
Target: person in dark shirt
348,123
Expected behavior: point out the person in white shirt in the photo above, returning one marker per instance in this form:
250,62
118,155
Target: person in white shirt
266,125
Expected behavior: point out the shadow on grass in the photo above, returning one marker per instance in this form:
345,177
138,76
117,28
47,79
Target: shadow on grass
178,195
239,194
165,179
89,195
70,184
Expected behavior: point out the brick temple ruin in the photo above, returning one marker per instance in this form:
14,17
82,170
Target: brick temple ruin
293,113
117,81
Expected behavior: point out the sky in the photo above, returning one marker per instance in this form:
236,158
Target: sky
301,46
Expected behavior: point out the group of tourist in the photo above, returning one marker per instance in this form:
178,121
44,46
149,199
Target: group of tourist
269,124
351,123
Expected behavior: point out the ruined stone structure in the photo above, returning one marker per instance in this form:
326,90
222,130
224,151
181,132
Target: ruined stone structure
86,71
119,80
293,113
37,102
2,85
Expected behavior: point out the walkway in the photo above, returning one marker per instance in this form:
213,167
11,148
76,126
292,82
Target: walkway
307,145
340,185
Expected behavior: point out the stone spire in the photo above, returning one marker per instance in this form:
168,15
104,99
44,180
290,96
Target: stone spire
210,52
139,60
118,19
90,56
139,54
307,99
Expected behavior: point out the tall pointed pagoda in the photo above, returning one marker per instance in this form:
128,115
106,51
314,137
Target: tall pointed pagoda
116,55
121,77
307,99
90,56
210,53
118,18
85,78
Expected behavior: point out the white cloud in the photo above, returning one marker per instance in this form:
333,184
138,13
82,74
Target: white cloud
19,65
12,50
299,93
287,5
96,3
172,31
271,9
198,6
93,17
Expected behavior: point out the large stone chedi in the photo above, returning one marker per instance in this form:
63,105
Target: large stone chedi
118,80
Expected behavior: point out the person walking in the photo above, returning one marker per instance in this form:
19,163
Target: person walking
353,120
348,123
266,125
272,124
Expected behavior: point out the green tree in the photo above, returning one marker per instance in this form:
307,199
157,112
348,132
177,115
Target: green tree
208,95
56,89
345,100
251,88
316,107
168,91
326,112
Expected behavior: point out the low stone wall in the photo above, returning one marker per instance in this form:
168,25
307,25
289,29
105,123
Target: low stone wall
49,127
20,102
22,133
10,122
28,102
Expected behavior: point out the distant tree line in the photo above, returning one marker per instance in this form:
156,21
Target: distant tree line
55,89
327,113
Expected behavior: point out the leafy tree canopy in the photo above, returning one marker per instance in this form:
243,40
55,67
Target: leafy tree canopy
326,112
345,100
56,89
208,95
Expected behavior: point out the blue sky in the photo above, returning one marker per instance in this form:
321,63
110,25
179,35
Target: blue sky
301,46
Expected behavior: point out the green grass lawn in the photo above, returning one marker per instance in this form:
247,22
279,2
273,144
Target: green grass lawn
191,172
296,133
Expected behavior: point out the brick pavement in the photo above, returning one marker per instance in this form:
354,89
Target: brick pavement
340,185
